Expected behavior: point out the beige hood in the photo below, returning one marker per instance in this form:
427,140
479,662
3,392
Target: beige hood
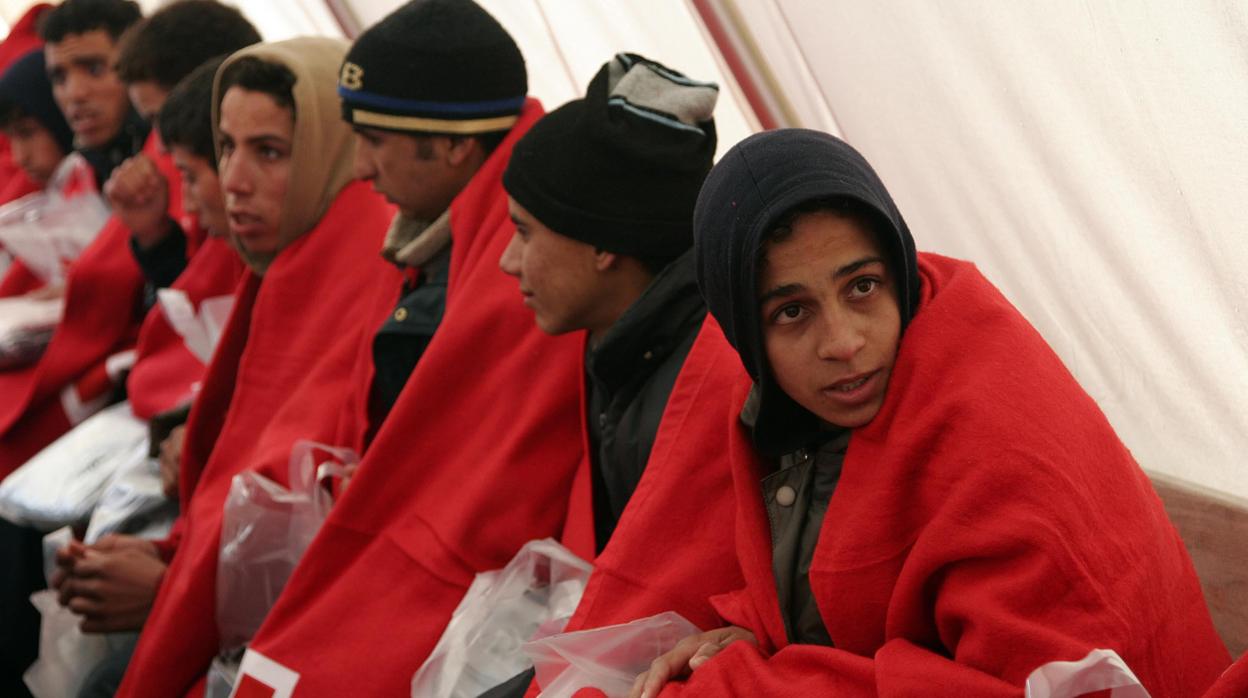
323,147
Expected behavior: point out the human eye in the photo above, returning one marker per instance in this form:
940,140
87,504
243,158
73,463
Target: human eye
57,76
271,153
96,68
787,314
863,286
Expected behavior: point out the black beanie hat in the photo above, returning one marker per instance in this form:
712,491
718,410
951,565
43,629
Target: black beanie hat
25,86
621,168
434,66
755,184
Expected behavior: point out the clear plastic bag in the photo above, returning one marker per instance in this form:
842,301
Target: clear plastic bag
47,230
62,484
265,530
200,331
26,327
67,656
608,659
1100,670
536,592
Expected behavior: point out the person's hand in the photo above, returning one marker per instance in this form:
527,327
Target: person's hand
47,293
688,654
171,461
66,557
114,584
139,196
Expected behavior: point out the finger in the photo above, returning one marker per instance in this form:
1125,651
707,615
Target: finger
86,607
638,684
661,670
705,652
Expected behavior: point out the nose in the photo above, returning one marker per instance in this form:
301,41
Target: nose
75,87
235,181
363,164
841,337
190,204
510,261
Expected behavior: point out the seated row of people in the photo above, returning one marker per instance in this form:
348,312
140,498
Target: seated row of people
861,472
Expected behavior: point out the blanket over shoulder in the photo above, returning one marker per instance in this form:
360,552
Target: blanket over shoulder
987,521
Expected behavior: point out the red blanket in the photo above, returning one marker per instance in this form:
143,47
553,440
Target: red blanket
1233,683
475,460
277,376
987,521
684,498
166,374
102,298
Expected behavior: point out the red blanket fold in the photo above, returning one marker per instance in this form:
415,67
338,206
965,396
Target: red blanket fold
1233,683
165,372
684,499
987,521
277,376
475,460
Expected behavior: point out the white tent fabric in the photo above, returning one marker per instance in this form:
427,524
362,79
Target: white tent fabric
1091,158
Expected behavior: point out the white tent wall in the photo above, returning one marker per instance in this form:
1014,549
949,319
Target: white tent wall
1091,159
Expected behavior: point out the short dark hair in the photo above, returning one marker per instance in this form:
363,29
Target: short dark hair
82,16
258,75
167,46
186,117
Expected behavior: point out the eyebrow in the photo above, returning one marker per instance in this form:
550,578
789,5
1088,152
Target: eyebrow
842,271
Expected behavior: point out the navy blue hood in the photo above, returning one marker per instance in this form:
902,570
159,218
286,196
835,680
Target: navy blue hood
747,192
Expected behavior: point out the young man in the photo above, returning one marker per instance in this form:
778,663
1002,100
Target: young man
309,237
929,504
602,193
39,138
476,456
166,375
154,56
430,91
23,37
81,39
74,377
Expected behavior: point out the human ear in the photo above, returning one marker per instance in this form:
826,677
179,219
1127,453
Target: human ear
604,260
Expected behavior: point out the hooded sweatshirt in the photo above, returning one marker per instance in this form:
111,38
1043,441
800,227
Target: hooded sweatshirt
283,364
987,520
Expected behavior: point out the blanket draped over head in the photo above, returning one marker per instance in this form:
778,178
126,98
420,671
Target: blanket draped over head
281,368
475,459
103,296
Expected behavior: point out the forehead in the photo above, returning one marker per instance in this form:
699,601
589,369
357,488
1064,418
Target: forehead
246,113
185,158
94,44
818,242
